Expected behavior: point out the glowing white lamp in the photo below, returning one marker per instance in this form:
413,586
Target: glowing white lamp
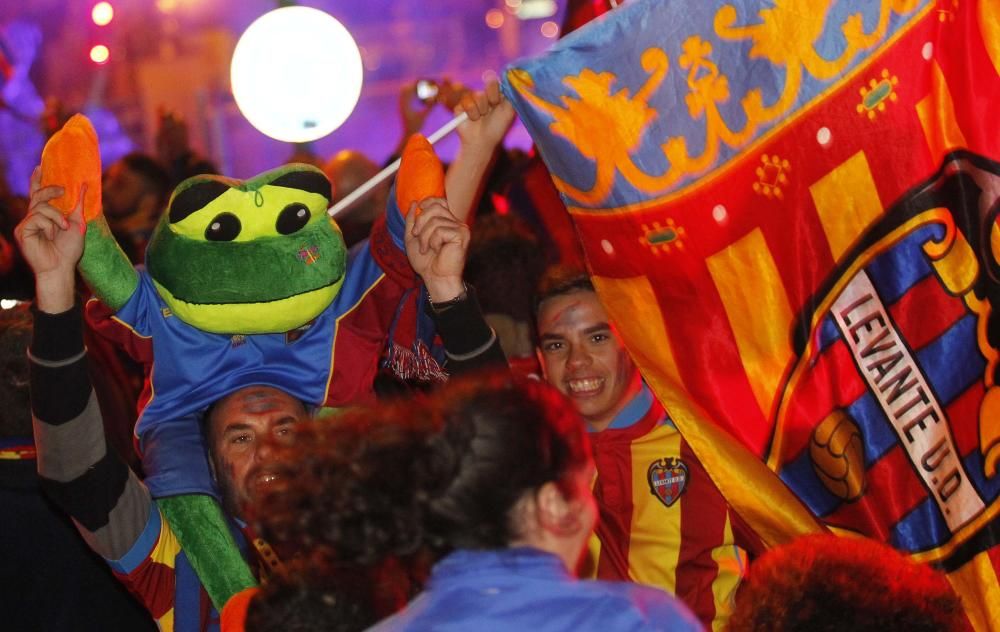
296,74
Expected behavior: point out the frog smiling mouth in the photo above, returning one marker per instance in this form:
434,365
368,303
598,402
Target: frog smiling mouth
272,316
334,284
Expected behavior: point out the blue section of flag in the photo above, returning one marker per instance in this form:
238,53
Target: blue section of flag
989,489
616,44
922,529
875,428
800,476
894,272
829,333
948,378
879,438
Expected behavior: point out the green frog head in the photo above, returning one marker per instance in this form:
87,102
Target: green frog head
247,257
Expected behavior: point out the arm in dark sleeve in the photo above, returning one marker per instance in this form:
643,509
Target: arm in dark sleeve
469,343
77,469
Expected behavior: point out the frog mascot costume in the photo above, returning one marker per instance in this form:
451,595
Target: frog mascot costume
246,283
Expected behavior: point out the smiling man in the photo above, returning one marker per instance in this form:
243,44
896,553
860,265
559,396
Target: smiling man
241,428
662,521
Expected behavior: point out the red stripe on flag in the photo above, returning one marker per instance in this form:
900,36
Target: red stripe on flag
579,12
552,213
926,312
892,490
972,80
833,383
716,377
963,413
994,554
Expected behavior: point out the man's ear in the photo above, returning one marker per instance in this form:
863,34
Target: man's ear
555,513
541,362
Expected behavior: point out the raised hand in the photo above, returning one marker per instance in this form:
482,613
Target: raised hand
436,246
490,116
52,245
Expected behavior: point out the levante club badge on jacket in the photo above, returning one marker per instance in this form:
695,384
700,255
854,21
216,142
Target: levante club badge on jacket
667,479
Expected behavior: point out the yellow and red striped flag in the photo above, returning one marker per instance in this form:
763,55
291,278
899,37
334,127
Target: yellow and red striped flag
790,210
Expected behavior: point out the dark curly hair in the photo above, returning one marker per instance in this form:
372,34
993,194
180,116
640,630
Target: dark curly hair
504,264
416,479
311,594
823,583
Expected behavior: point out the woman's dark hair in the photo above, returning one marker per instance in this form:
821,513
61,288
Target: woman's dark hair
312,594
418,478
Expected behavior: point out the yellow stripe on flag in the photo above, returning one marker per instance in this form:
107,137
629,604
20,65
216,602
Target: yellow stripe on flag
937,116
989,26
976,583
646,337
847,202
748,485
760,317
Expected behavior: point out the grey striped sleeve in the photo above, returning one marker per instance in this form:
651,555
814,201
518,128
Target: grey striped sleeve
78,470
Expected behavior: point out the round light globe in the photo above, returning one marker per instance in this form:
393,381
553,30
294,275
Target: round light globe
296,74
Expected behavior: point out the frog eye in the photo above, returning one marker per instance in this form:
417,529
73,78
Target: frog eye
292,218
223,227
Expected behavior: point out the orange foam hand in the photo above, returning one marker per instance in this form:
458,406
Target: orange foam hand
71,158
234,613
421,174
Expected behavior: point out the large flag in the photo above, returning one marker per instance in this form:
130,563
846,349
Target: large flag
790,210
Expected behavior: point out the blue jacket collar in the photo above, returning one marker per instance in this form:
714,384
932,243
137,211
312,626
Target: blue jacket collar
471,566
635,410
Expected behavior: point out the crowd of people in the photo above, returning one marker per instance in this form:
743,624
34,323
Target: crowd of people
535,482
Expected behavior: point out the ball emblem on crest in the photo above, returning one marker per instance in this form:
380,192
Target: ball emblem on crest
838,456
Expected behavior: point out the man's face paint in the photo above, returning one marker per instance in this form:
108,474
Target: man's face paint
242,430
583,356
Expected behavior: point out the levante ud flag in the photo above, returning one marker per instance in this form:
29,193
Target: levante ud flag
790,210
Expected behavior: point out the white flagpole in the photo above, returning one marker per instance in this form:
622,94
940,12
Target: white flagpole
379,177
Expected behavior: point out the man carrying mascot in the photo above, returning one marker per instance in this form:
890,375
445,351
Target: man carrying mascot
247,284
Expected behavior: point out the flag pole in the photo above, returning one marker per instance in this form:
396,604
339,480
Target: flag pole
381,176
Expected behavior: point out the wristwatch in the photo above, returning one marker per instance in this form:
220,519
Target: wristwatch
443,305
